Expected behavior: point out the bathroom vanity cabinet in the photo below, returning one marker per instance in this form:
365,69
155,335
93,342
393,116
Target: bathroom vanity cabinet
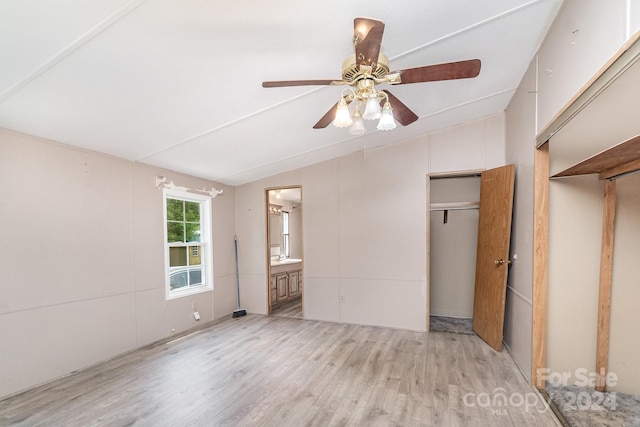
285,283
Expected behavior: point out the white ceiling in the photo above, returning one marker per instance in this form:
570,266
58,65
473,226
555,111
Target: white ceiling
177,84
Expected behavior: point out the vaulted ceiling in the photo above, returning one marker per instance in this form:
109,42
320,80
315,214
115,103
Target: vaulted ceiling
177,84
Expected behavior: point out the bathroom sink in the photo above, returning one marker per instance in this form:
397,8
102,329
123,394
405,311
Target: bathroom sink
286,261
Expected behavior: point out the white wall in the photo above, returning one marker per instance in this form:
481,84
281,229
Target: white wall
586,34
575,218
82,260
520,131
625,293
576,206
574,267
575,224
364,226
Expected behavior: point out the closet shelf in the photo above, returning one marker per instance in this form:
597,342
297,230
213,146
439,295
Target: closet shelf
619,160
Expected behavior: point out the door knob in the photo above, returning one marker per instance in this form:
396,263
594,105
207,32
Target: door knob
501,261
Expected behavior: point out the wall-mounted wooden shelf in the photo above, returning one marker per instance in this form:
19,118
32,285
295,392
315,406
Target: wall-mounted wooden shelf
612,163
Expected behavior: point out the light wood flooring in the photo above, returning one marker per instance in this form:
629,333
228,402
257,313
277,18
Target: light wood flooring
277,371
290,309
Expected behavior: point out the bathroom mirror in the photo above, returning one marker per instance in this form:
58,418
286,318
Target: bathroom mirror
285,234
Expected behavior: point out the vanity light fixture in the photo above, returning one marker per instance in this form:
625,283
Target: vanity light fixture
275,209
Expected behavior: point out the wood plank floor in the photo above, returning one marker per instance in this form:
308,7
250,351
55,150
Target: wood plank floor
277,371
290,309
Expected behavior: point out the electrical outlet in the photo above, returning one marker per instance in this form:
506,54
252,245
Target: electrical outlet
196,315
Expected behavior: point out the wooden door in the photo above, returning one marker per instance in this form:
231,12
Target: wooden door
494,233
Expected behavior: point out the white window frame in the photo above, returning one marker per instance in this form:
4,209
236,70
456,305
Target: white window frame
205,244
284,230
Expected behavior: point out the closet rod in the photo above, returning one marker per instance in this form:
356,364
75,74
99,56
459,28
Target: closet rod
454,206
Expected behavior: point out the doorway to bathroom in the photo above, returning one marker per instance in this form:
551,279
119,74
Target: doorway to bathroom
285,272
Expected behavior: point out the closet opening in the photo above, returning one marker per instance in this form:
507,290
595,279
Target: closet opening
453,230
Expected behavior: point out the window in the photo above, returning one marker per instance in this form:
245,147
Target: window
188,257
285,234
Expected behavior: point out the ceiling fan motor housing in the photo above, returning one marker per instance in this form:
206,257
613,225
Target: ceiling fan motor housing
352,72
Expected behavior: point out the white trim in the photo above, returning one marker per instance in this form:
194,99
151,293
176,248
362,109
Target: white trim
206,243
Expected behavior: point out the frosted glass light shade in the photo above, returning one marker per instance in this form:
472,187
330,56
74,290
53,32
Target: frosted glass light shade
343,116
358,124
372,109
386,118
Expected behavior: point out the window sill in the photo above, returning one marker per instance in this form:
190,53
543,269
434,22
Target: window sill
189,292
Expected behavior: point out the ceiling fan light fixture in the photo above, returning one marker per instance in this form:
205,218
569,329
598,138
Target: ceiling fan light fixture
372,109
343,116
368,67
386,118
357,128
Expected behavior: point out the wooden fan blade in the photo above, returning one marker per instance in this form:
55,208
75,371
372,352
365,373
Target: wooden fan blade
367,38
284,83
401,112
327,118
448,71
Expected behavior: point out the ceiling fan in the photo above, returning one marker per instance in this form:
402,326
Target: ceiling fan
369,67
